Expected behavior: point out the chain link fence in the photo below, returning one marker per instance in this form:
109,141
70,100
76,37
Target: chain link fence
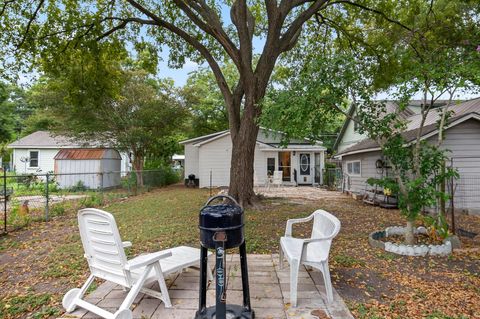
39,197
333,178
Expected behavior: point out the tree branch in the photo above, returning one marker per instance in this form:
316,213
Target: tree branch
361,6
289,38
29,24
4,7
220,78
123,24
244,23
211,25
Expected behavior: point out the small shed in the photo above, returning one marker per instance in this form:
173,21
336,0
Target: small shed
92,168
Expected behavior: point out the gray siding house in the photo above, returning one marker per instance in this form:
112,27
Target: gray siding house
364,159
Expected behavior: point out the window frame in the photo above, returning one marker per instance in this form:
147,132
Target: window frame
274,165
356,126
359,167
285,168
30,159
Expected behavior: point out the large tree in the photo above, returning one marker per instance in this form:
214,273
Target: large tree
437,58
140,118
196,29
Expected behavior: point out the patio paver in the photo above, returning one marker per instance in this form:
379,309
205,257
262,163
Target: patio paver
269,291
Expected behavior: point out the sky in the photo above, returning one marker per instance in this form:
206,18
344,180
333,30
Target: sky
180,76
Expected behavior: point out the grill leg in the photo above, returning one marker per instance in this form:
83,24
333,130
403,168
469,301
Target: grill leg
203,278
221,303
245,288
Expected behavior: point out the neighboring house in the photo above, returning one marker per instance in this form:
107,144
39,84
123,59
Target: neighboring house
72,166
35,153
301,161
364,159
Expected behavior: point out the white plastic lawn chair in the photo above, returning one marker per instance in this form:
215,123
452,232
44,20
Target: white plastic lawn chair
311,252
277,178
104,251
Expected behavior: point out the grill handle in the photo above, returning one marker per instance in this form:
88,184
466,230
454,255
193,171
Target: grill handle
211,199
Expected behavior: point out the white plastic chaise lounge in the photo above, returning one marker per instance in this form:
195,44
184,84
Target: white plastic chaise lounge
311,252
104,251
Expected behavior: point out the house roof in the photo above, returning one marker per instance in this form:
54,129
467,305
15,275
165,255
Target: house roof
308,144
461,112
87,154
202,138
45,139
390,106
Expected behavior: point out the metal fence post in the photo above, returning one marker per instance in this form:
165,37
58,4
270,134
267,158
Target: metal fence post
101,187
4,200
47,197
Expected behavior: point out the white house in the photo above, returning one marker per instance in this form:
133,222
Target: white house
35,153
301,161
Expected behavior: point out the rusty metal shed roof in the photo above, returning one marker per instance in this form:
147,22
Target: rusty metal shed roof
87,154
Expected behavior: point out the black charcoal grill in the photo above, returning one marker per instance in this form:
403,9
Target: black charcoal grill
222,227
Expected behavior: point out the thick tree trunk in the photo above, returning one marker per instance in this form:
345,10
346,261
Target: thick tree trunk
241,170
244,138
138,167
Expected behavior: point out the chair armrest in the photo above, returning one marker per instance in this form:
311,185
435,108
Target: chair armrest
290,222
127,244
312,240
145,260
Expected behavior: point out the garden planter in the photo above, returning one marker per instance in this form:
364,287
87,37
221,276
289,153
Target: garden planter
408,250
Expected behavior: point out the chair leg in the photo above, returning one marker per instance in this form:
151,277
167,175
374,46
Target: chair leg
328,282
69,300
134,290
294,267
163,285
280,262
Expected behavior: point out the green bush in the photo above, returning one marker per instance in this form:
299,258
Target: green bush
94,200
79,187
129,181
160,177
16,217
154,178
57,209
26,180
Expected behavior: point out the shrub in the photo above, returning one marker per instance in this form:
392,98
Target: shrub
57,210
160,177
94,200
26,180
79,187
18,216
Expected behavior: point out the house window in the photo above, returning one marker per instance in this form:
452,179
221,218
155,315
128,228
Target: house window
354,168
356,126
270,165
33,159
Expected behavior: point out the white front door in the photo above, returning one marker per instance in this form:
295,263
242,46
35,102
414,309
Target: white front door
305,175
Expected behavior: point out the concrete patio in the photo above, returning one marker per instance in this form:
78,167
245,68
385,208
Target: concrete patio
300,192
269,290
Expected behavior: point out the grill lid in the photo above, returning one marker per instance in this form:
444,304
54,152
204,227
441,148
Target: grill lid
221,216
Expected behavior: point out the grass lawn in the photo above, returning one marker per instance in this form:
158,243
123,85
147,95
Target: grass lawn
39,264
